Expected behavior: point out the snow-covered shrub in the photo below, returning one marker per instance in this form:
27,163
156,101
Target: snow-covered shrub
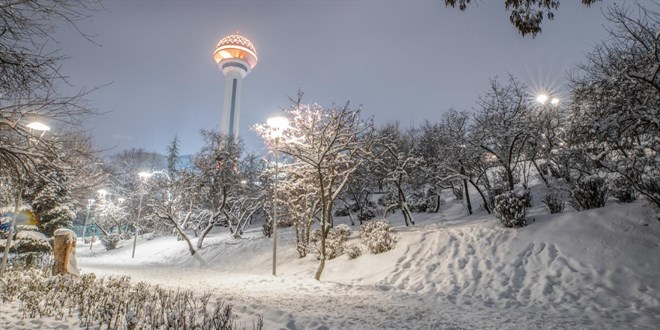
31,248
526,196
335,243
510,209
114,302
367,214
457,190
302,249
110,241
418,202
378,236
353,251
622,190
553,200
342,212
589,193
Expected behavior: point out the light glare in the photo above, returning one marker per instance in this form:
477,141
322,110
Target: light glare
542,98
38,126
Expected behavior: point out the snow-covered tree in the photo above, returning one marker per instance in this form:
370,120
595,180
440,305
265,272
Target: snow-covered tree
332,143
217,166
395,159
502,126
615,104
49,195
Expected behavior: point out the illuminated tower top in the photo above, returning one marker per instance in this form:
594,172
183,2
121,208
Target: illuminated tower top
236,48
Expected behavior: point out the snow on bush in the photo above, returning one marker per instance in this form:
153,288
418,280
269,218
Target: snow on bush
335,243
30,248
622,190
353,251
510,209
110,241
589,193
553,201
377,236
114,302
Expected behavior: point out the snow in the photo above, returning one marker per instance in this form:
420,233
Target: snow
591,269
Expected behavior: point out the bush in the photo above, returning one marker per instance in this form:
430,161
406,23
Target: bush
510,209
589,193
553,200
378,236
342,212
622,191
110,241
353,251
526,196
367,214
335,243
114,303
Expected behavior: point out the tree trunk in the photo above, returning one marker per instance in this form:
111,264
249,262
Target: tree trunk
407,217
183,234
481,194
204,233
467,196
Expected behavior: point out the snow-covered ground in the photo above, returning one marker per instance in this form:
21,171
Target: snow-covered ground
594,269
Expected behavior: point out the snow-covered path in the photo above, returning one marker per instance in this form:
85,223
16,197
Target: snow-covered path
295,303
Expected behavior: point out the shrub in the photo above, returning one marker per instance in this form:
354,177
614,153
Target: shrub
526,196
353,251
589,193
553,200
622,191
510,209
458,192
114,303
110,241
378,236
367,214
335,243
342,212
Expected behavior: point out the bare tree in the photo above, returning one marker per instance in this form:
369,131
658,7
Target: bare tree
331,141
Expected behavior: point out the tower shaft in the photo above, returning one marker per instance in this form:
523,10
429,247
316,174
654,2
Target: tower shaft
232,105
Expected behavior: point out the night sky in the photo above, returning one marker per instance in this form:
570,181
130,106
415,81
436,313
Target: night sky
401,60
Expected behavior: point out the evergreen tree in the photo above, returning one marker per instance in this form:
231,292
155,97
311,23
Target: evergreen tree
51,200
172,155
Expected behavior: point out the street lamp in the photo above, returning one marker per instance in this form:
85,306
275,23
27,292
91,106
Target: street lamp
90,202
36,126
144,176
277,126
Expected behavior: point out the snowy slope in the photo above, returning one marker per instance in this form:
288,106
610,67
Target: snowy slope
591,269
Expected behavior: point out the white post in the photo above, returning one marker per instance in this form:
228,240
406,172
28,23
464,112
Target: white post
277,141
89,208
136,227
5,257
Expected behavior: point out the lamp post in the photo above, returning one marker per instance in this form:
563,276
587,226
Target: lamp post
144,176
90,202
277,126
554,102
5,256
